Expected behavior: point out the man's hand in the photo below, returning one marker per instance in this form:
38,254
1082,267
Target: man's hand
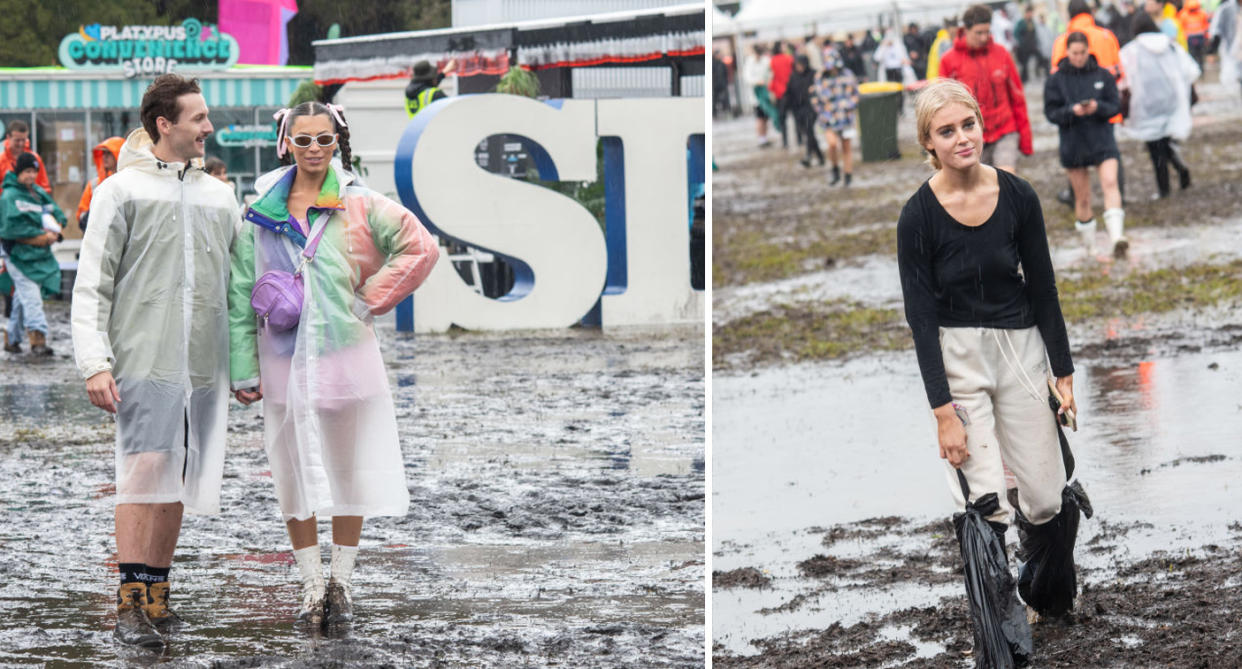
101,388
248,397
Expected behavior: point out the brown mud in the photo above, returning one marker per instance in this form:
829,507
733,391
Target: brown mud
556,516
1166,610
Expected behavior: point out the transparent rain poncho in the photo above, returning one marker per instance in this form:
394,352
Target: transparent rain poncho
1159,74
329,425
150,305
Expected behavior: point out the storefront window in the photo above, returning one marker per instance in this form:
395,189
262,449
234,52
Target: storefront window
61,142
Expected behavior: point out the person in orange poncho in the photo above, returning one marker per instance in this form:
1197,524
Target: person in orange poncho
106,154
1194,23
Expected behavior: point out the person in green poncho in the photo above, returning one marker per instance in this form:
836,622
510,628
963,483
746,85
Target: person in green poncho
29,224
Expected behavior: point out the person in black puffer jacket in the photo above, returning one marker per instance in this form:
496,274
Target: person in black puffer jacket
1080,98
798,100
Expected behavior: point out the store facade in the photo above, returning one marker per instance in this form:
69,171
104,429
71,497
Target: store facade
70,111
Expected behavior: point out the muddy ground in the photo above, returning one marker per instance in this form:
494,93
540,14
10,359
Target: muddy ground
1171,609
557,516
831,546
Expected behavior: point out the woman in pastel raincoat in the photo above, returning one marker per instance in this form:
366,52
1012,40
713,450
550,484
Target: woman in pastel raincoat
330,427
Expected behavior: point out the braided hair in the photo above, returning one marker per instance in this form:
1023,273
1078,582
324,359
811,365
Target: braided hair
312,108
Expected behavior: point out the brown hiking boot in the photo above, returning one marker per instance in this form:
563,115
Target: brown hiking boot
132,626
38,343
15,347
339,605
162,617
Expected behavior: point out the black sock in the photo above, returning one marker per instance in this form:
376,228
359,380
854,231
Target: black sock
132,572
155,574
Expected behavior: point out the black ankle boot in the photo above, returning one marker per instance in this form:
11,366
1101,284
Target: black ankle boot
1184,179
836,176
848,177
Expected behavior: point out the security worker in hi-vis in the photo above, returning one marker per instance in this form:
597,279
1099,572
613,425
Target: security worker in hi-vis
423,87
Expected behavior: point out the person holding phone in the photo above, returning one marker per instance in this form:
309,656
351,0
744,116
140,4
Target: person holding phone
1079,98
984,330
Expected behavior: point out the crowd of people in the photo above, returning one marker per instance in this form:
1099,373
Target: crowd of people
1104,65
31,222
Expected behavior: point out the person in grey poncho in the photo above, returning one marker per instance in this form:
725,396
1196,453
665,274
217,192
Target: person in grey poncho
150,336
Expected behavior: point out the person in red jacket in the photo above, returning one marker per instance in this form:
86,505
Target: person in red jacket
17,142
781,64
988,70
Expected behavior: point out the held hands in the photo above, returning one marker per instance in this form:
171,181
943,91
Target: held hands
248,397
101,388
951,434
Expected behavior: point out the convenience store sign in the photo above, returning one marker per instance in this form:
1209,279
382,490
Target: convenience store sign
147,50
263,134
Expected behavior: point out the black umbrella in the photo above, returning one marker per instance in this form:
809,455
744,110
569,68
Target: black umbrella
998,619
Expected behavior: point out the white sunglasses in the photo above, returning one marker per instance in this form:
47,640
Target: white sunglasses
304,141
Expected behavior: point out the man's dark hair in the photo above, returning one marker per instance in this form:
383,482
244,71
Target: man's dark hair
161,99
1076,37
1077,7
777,47
17,126
1142,23
976,14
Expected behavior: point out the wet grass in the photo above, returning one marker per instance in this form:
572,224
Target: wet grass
841,329
772,220
809,332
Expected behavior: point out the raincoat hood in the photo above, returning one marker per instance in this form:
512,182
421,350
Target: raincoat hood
1154,42
273,188
136,153
111,145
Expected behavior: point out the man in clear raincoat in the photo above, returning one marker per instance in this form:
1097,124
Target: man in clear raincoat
150,336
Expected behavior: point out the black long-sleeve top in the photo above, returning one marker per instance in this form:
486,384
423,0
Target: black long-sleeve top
954,275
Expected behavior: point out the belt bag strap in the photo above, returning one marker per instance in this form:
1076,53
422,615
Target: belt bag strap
312,244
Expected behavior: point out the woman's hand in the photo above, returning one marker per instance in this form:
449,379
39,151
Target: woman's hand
951,434
248,397
1079,109
1065,386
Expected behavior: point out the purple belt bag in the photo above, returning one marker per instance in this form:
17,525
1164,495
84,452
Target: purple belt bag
277,295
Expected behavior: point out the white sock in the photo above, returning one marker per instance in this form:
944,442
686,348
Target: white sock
343,563
1086,229
1115,223
310,563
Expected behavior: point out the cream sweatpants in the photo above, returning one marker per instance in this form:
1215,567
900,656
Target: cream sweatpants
998,377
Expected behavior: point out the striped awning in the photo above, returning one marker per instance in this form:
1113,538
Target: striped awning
67,90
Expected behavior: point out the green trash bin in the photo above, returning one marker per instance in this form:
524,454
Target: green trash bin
878,106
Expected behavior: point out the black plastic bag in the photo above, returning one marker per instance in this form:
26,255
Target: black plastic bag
1002,634
1047,579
